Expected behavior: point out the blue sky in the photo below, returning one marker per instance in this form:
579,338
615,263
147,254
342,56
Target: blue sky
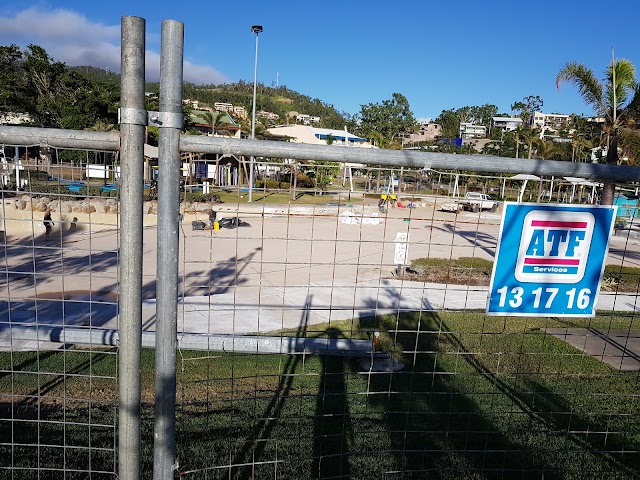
440,55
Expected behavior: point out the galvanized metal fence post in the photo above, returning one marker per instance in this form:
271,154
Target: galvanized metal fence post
132,131
170,119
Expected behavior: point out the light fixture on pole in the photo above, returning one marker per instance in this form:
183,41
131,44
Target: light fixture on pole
256,29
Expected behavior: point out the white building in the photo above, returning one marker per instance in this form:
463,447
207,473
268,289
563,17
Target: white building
469,130
240,112
507,124
307,119
268,115
553,122
9,118
318,136
223,107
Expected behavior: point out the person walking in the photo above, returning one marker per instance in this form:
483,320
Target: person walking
48,222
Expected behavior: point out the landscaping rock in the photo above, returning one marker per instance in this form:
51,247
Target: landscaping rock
100,207
202,207
88,208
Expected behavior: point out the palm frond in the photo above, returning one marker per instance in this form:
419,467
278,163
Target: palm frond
633,108
625,81
629,141
589,86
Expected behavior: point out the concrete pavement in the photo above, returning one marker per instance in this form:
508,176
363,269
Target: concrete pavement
292,266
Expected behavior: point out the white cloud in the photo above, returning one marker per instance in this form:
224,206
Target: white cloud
73,39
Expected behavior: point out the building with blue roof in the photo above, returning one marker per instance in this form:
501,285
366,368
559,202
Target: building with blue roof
318,136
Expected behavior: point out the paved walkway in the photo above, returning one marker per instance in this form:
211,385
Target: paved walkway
619,349
245,310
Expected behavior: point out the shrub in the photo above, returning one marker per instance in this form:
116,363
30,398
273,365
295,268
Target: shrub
270,184
305,181
194,197
62,192
37,175
627,279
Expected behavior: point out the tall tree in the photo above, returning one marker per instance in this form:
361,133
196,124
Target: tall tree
449,120
482,115
391,118
13,95
527,107
614,98
50,93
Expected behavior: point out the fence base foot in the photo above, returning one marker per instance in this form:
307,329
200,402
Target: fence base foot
380,363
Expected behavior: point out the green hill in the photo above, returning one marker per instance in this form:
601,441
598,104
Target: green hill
280,100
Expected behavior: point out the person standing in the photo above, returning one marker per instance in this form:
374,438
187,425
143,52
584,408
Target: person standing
48,222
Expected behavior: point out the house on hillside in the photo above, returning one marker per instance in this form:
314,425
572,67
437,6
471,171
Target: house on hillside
318,136
508,124
307,119
469,130
429,131
14,119
550,122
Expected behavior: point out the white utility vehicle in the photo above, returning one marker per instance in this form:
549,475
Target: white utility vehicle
472,201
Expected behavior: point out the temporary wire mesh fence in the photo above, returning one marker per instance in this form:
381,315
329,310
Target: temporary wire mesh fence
448,393
58,398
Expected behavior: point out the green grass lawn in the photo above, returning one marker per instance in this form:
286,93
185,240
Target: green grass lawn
479,397
302,197
477,271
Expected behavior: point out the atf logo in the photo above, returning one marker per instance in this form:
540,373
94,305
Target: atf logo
554,246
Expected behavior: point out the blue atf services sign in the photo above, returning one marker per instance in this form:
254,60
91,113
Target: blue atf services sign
550,260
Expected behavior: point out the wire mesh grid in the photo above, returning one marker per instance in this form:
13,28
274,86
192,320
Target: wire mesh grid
449,393
280,299
58,394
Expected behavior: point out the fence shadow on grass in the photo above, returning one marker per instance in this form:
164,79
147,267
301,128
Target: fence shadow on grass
452,412
256,440
449,416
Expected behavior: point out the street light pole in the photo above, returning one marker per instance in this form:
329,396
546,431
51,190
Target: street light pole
256,29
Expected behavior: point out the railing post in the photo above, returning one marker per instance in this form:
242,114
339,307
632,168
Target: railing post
170,117
132,130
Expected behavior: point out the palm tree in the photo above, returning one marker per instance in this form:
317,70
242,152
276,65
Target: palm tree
215,120
608,99
528,136
545,148
578,146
